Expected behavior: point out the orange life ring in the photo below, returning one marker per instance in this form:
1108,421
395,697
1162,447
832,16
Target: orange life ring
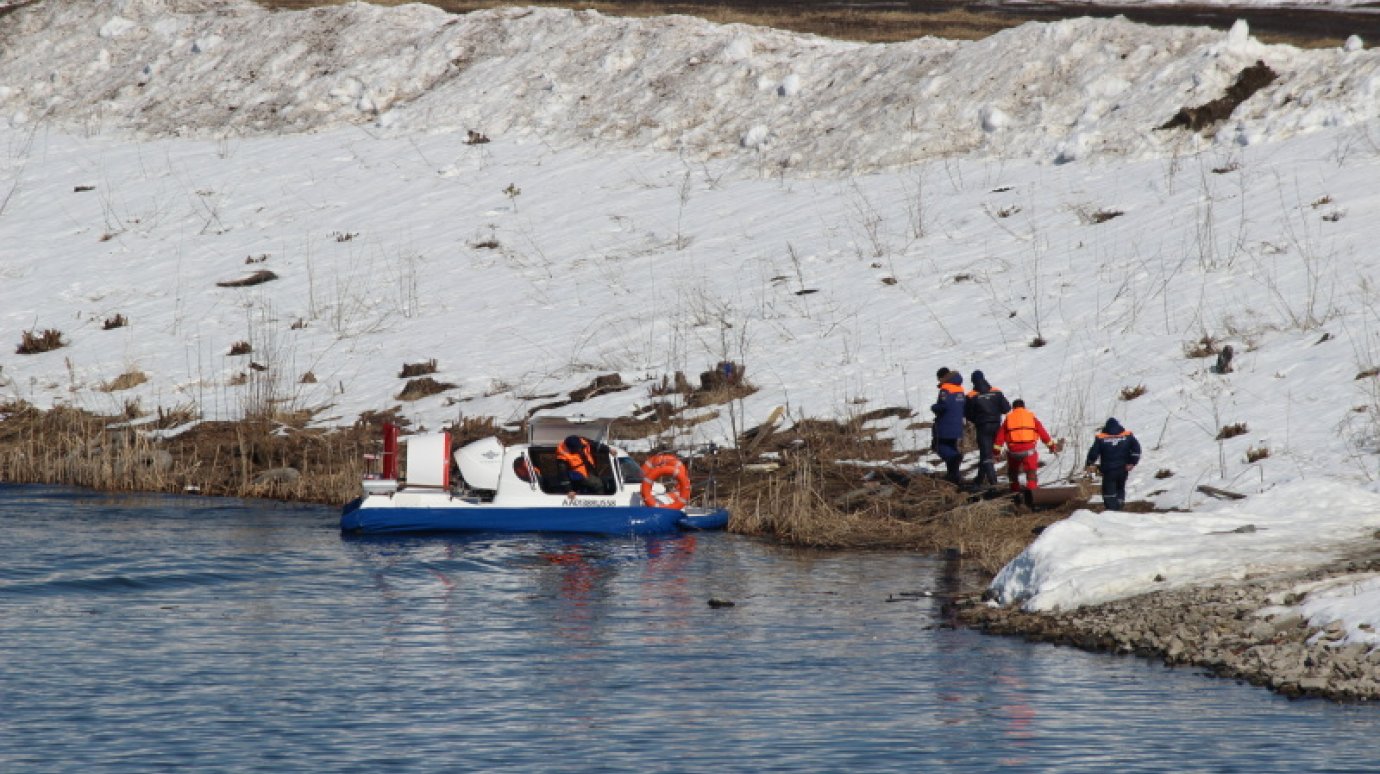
666,466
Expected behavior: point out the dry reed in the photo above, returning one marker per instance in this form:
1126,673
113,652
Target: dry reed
823,505
73,447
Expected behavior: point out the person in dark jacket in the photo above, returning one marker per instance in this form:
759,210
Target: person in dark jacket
1114,453
948,424
984,409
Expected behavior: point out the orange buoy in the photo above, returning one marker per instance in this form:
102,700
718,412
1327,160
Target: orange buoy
660,466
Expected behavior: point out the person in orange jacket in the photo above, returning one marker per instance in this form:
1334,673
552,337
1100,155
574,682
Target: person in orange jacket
576,455
1018,433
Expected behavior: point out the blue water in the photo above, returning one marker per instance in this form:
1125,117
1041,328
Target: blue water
147,633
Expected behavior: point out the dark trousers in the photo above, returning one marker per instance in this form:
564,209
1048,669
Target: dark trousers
1114,489
587,485
987,466
947,449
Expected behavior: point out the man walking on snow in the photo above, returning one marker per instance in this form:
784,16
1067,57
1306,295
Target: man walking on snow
984,409
1118,452
1018,434
948,424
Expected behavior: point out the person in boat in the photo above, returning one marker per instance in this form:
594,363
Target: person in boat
578,456
525,470
984,409
1018,433
1114,454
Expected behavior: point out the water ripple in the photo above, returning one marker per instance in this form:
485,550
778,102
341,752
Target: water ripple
143,634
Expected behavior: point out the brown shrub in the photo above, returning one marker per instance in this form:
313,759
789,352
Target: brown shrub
601,385
410,370
1231,431
1131,393
118,321
241,348
423,387
1204,347
125,381
31,343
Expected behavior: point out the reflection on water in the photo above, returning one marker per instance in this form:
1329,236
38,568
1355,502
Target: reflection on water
151,633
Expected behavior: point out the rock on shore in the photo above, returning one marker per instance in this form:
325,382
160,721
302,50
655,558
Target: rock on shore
1248,630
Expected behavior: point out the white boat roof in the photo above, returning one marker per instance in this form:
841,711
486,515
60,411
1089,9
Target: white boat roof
551,430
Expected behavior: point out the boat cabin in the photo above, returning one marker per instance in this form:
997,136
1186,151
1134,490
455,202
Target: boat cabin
491,471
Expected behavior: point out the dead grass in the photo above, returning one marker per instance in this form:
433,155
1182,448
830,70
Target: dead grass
31,343
1203,347
1232,430
824,495
423,368
424,386
837,486
125,381
814,503
1131,393
73,447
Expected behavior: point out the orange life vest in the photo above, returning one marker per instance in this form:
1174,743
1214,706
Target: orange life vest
1021,426
579,460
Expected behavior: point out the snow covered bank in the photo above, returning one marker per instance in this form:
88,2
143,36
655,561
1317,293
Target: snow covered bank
769,99
1282,589
1091,558
643,197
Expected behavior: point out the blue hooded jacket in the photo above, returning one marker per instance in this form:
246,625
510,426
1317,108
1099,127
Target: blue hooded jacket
948,409
1114,448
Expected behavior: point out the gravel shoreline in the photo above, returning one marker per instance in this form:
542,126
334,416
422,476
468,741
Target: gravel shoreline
1223,628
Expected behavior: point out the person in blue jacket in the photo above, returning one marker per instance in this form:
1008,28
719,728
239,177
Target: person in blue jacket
948,424
1114,453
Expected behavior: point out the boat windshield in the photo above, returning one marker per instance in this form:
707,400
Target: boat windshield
629,470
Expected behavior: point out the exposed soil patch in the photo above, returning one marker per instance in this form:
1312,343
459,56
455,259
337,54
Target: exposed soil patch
422,387
257,278
1248,82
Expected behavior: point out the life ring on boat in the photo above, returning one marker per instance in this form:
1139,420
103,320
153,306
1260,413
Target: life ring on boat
661,466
